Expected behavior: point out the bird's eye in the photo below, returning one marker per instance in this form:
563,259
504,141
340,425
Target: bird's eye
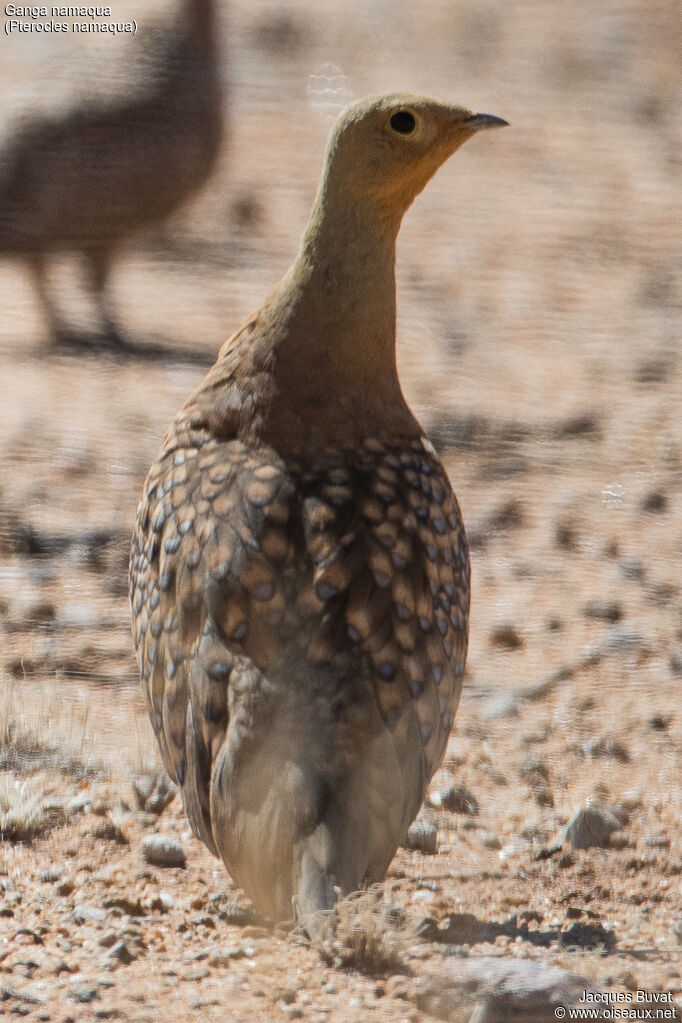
403,122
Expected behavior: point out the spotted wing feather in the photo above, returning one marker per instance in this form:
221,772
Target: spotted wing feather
309,615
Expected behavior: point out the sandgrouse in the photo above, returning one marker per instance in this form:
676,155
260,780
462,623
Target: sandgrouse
299,574
86,181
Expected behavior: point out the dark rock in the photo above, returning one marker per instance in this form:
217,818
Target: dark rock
122,953
583,424
633,569
603,610
133,907
109,832
566,535
607,748
543,795
455,798
506,636
655,502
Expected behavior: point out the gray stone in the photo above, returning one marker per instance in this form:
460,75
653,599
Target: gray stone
153,791
226,955
86,994
84,912
50,876
163,851
422,836
503,990
122,953
592,826
79,803
624,640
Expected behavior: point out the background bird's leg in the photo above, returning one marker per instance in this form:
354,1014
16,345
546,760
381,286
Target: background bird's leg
99,264
58,329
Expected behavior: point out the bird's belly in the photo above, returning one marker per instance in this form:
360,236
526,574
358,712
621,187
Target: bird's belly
298,766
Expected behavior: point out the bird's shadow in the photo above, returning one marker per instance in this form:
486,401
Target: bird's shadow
120,349
466,929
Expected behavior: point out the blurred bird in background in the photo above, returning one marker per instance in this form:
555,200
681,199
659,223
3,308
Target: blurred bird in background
87,180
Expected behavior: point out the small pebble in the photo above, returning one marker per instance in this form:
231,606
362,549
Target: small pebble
50,876
121,953
455,798
655,502
592,826
624,641
533,769
423,837
631,800
633,569
85,912
86,994
107,831
659,841
490,841
506,636
79,803
163,851
153,792
603,610
226,955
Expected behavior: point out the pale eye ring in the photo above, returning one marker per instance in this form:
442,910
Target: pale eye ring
403,122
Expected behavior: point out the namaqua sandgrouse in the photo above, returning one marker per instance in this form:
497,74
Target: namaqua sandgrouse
87,180
299,574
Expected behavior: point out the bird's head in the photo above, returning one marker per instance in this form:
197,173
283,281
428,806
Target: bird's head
384,150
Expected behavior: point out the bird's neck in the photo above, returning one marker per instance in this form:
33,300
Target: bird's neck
337,307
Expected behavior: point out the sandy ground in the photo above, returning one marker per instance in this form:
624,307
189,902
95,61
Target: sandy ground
538,307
